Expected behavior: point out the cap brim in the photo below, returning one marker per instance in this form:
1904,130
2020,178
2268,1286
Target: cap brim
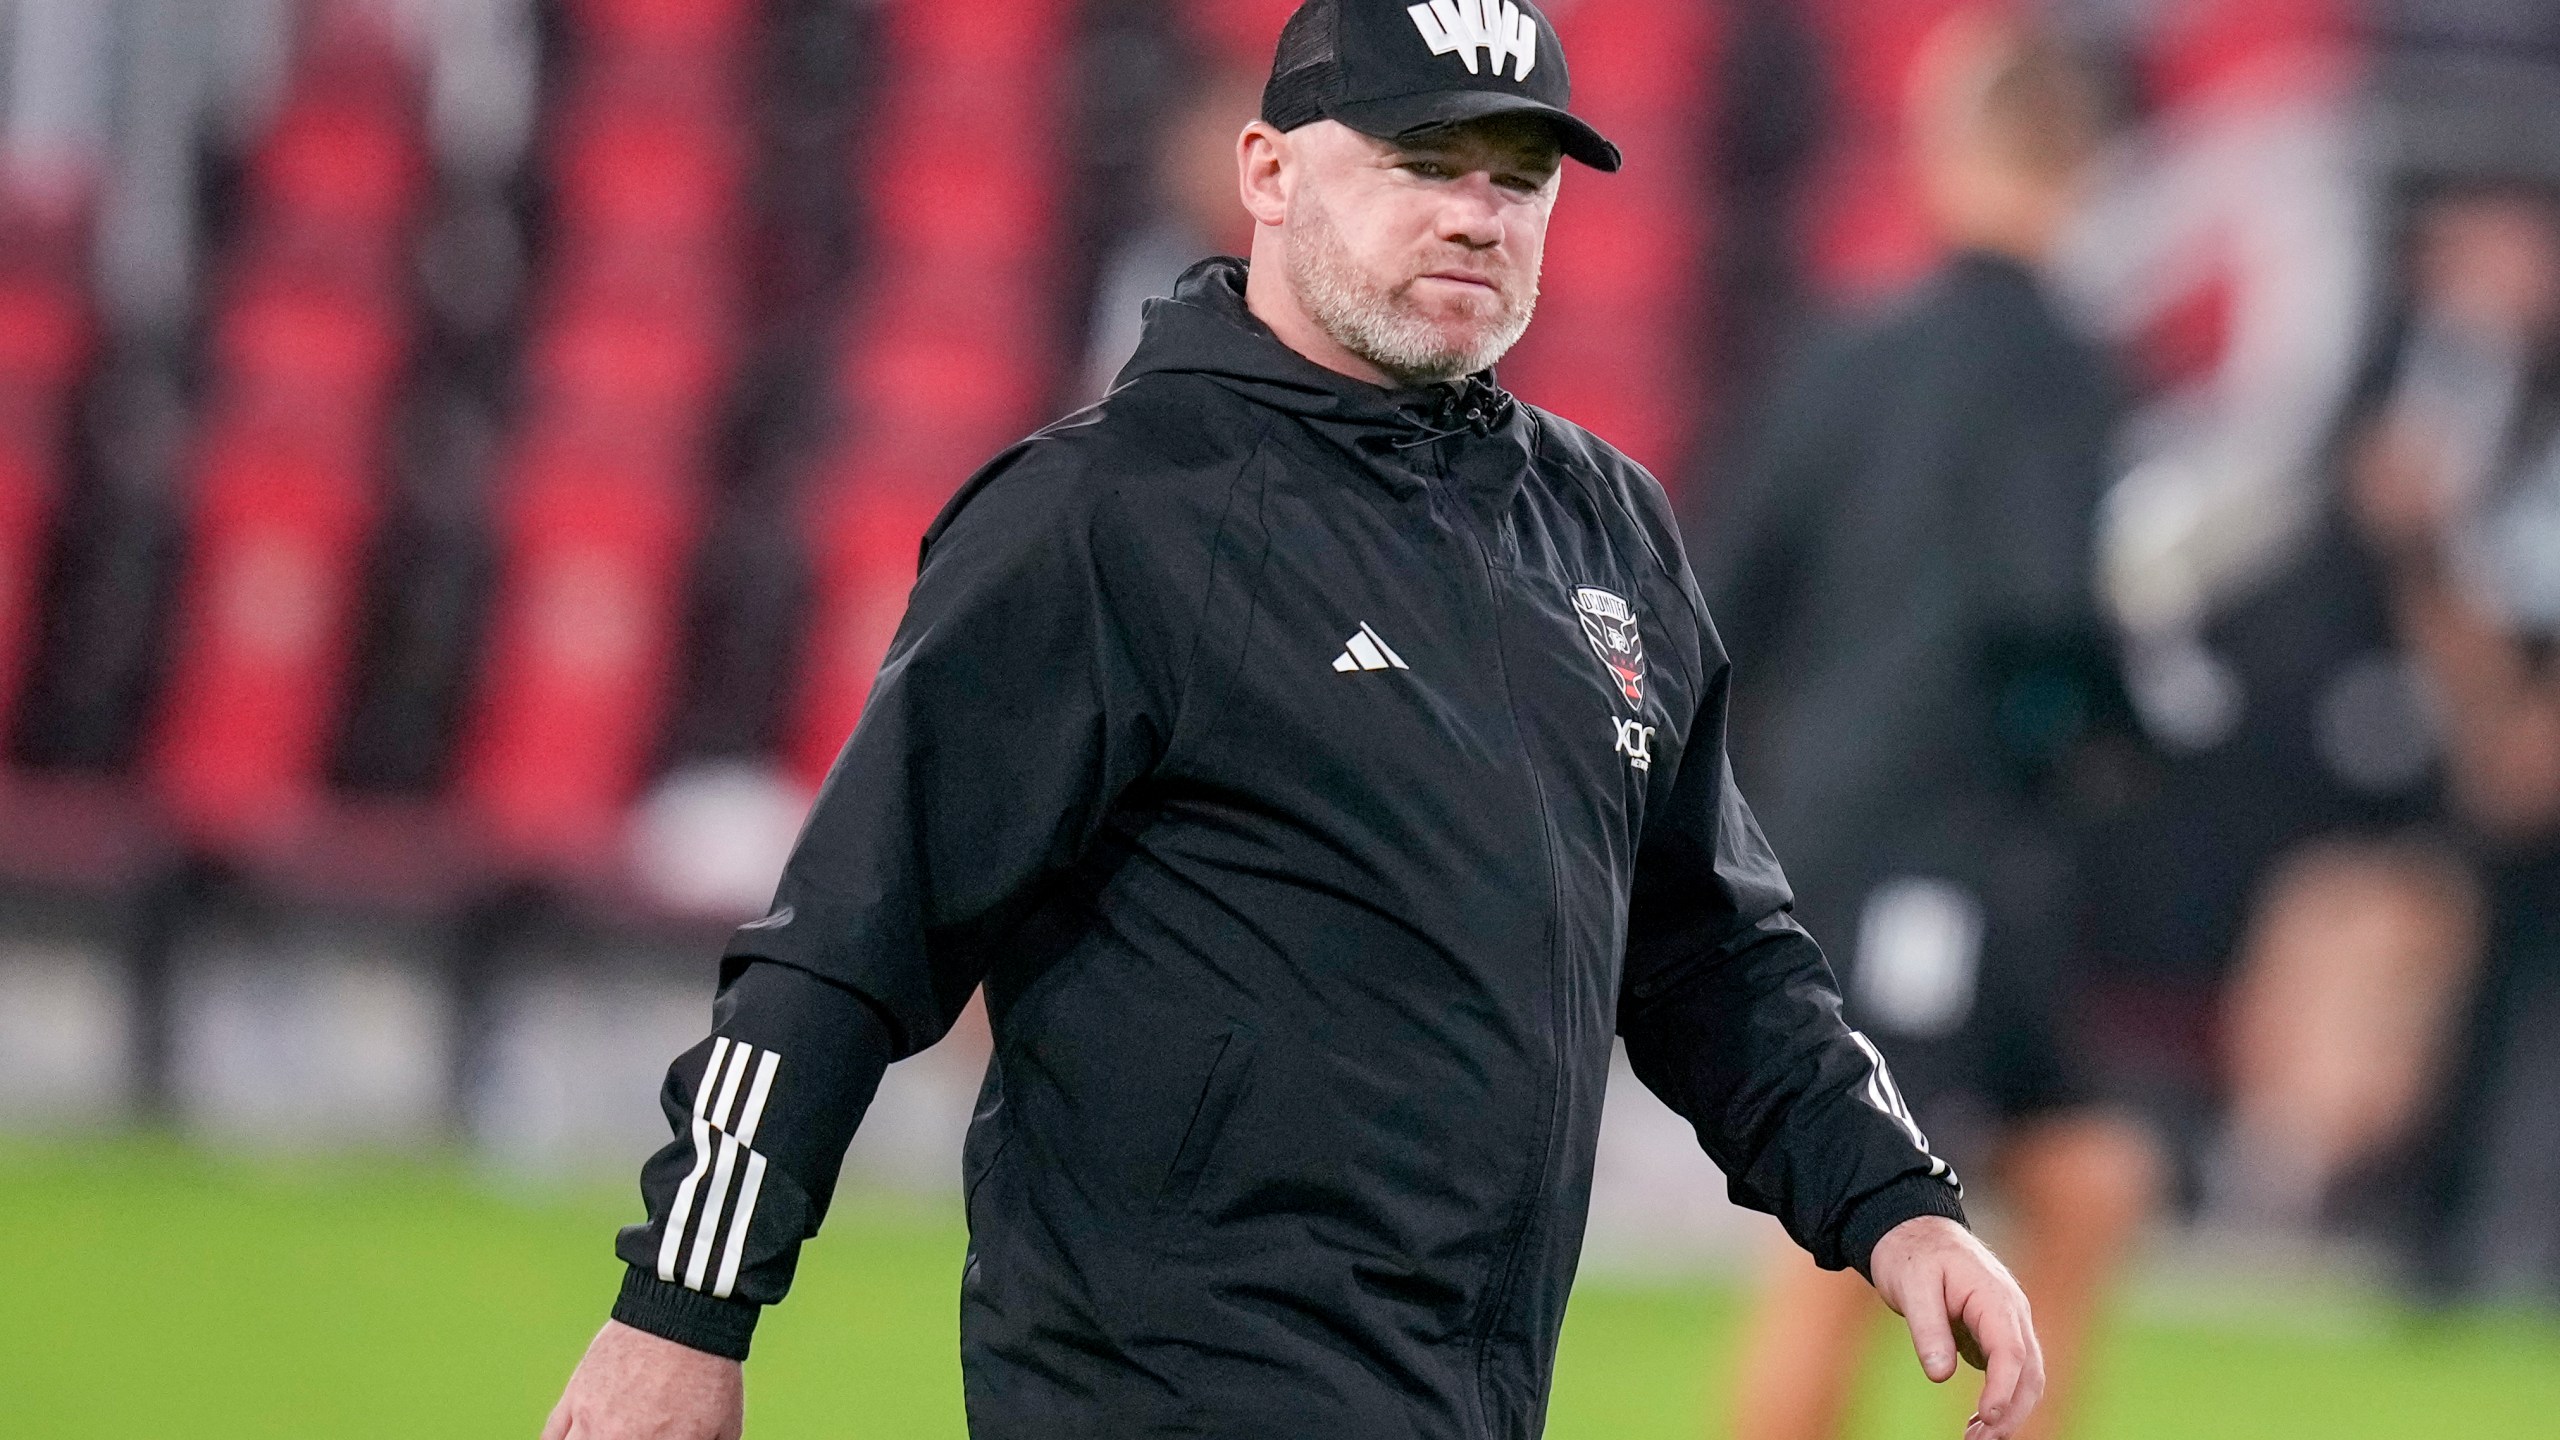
1407,115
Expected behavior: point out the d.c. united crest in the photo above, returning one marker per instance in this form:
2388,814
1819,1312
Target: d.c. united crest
1611,625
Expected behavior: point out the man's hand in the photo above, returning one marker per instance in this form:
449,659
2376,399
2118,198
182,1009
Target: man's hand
635,1386
1958,1297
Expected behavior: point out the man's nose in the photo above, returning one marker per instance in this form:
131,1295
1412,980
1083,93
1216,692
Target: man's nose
1473,214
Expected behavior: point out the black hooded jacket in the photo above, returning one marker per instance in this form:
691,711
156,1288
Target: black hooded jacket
1316,778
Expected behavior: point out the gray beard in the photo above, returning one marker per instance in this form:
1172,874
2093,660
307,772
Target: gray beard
1371,321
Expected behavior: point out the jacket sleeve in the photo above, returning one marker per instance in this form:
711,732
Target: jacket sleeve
1731,1015
1024,691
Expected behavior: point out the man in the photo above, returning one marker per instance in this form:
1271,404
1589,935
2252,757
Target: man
1316,754
1907,573
2454,491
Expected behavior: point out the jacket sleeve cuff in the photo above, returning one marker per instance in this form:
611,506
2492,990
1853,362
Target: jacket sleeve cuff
1908,1198
689,1318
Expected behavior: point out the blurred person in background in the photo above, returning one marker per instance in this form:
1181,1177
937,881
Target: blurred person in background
1191,215
2365,933
2454,486
1244,737
1905,574
2227,256
2363,837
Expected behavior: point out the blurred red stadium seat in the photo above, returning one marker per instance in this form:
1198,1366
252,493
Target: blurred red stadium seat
1869,235
583,651
949,356
1627,259
988,50
48,343
633,350
665,173
865,530
681,26
652,373
308,344
30,492
45,333
349,160
276,541
1246,32
2264,50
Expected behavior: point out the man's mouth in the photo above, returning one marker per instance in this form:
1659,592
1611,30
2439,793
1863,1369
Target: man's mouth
1458,277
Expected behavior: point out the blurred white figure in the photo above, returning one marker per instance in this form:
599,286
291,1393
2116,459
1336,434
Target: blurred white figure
2256,191
2345,1017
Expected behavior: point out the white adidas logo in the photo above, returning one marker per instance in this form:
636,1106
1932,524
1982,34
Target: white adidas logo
1368,650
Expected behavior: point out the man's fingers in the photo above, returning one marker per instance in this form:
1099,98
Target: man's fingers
557,1427
1999,1400
1931,1338
2030,1391
1968,1346
2013,1372
1958,1299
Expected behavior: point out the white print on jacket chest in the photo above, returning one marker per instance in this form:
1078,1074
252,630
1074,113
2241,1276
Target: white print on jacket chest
1635,741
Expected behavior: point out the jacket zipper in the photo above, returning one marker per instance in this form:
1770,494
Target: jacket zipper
1498,1304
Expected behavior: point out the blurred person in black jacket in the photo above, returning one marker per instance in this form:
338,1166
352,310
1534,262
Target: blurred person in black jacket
2375,841
1906,570
2454,485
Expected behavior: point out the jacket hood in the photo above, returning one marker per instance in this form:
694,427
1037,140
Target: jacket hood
1205,329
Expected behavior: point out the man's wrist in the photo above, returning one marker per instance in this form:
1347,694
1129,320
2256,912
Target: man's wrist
690,1318
1876,1216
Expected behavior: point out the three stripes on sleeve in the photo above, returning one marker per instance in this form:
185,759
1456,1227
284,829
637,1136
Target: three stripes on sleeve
715,1101
1883,1095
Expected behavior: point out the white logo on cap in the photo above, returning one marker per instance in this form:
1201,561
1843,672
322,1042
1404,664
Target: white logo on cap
1463,27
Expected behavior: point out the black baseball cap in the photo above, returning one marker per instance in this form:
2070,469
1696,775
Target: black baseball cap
1390,70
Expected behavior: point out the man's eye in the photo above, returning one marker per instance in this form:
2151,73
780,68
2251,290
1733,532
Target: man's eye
1428,169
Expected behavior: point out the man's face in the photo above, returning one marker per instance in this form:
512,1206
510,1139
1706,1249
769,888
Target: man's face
2489,262
1421,256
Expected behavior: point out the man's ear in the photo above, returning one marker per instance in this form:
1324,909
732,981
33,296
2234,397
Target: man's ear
1265,172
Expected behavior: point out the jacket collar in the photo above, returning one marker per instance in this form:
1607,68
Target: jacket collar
1206,329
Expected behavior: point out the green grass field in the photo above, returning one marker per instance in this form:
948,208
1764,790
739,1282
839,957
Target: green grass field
150,1293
